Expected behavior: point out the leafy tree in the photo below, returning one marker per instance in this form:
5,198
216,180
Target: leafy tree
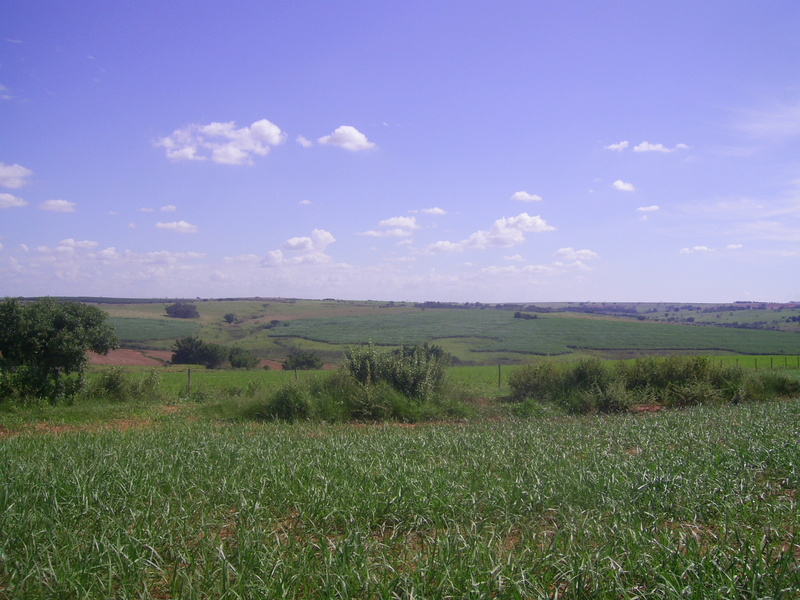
191,350
230,318
45,341
241,358
182,310
302,361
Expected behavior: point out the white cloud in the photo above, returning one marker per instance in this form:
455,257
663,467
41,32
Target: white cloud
618,146
514,258
304,141
347,137
13,176
394,227
648,147
434,211
574,255
222,143
169,208
504,232
734,246
10,201
694,249
305,202
63,206
652,208
525,197
178,227
623,186
301,250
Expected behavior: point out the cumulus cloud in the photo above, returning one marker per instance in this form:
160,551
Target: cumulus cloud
222,143
178,227
648,147
304,141
734,246
623,186
62,206
394,227
571,254
694,249
434,211
347,137
14,176
11,201
646,209
525,197
505,232
620,146
301,250
169,208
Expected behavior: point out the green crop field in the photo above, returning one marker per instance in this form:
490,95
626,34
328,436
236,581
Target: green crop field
697,503
271,328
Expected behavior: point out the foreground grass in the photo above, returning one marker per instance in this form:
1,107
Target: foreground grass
700,503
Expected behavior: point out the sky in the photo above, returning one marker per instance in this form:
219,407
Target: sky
441,150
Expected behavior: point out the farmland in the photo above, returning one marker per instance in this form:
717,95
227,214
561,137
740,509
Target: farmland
700,503
474,335
184,482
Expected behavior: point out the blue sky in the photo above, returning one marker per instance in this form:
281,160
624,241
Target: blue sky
440,150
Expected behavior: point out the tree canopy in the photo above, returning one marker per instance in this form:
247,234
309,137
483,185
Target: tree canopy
45,340
182,310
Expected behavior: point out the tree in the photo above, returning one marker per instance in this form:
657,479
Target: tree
191,350
302,361
230,318
182,310
241,358
45,341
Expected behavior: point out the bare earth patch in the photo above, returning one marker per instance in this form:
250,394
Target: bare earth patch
132,358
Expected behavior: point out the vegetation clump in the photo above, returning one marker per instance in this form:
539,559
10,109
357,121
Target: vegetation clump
182,310
407,384
592,385
43,346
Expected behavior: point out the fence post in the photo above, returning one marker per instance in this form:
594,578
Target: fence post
189,382
499,377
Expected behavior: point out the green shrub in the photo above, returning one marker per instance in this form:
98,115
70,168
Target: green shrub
289,403
416,372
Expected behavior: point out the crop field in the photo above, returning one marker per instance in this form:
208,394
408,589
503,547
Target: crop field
270,329
698,503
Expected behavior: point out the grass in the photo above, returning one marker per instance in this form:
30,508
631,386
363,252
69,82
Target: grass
698,503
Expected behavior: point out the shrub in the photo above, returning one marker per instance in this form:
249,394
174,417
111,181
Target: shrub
190,350
417,372
302,360
182,310
239,358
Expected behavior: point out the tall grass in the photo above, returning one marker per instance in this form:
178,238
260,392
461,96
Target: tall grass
700,503
676,381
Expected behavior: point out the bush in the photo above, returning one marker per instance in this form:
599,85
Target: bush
182,310
302,360
190,350
417,372
239,358
116,385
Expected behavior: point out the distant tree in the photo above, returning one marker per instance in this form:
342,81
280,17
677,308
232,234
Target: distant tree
241,358
230,318
43,342
191,350
302,361
183,310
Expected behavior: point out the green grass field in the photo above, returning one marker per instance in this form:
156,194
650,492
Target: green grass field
697,503
270,329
